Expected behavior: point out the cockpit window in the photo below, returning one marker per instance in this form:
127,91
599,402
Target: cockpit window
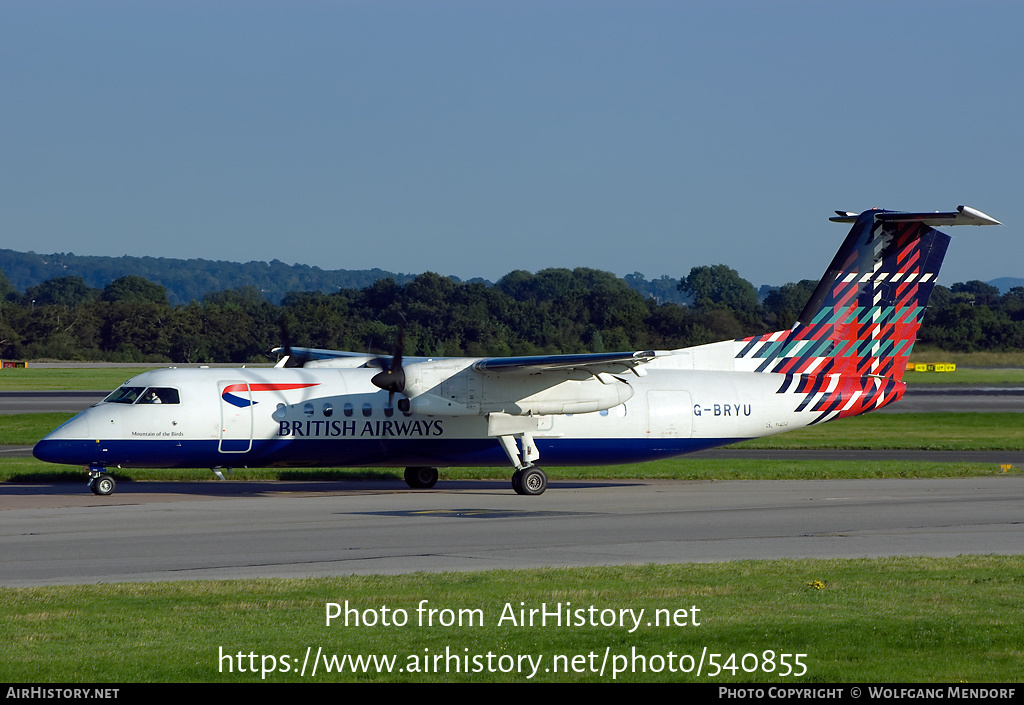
159,395
125,395
142,395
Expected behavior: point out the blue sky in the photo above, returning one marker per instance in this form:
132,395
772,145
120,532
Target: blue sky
474,138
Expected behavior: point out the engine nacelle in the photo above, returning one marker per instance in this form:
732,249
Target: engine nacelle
571,396
444,390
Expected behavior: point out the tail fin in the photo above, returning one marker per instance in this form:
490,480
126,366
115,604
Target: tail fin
860,325
864,316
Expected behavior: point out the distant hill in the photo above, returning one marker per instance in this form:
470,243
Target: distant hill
1004,284
192,279
186,280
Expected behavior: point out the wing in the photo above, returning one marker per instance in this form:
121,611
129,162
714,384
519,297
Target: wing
537,384
316,357
531,385
594,363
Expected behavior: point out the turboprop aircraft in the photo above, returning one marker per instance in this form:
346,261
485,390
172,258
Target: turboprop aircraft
845,355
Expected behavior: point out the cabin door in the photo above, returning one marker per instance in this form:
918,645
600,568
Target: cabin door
235,416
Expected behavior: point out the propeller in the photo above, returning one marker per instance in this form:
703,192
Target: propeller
290,358
391,378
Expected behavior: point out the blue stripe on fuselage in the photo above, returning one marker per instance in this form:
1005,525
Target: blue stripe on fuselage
383,452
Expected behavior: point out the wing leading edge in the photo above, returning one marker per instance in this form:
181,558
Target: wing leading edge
590,362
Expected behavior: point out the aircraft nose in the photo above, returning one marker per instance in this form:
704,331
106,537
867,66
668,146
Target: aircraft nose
67,444
48,450
67,452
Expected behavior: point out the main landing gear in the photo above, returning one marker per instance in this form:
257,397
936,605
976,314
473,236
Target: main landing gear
526,481
529,481
100,482
421,478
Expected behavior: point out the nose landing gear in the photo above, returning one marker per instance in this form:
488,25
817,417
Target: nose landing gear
100,482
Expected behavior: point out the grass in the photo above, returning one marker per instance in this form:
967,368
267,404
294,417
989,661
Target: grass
894,620
927,431
967,377
920,431
935,430
29,470
984,368
977,368
27,429
41,379
891,620
974,359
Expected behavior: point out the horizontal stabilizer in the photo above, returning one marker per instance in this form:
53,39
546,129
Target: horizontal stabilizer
964,215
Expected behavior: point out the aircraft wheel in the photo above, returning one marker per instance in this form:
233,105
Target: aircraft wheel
517,481
421,478
532,481
103,485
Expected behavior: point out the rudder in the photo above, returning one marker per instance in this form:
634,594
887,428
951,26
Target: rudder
864,316
849,349
870,303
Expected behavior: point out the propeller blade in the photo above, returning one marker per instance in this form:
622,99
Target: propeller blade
392,378
290,359
396,357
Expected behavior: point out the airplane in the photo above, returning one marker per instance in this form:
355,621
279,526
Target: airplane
845,355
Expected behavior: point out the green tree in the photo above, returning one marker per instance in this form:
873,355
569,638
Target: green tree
134,289
977,292
719,286
783,305
7,290
135,332
66,292
187,334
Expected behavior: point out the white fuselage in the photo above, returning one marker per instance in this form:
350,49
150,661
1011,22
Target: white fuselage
334,416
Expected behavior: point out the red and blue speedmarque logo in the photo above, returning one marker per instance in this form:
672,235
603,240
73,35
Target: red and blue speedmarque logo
235,400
